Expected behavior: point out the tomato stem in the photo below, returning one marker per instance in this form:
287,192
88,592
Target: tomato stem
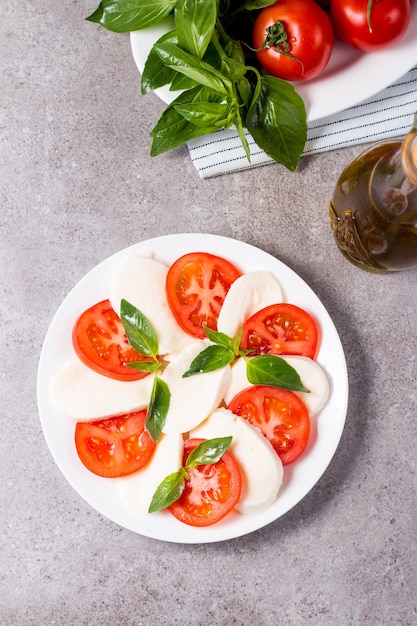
277,38
368,14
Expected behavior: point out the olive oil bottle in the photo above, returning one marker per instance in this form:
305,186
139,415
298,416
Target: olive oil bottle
373,211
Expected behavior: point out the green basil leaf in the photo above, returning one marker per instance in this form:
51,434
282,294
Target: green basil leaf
253,5
172,129
208,452
155,73
158,408
122,16
269,369
168,491
145,366
139,331
211,359
220,338
195,21
207,114
200,71
236,342
277,121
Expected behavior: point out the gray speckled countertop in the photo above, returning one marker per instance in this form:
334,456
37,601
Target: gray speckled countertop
77,185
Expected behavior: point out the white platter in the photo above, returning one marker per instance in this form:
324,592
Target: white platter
102,493
350,77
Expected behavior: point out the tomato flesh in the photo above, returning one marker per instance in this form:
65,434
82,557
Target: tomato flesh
100,343
196,286
211,491
281,416
280,329
388,22
116,446
308,44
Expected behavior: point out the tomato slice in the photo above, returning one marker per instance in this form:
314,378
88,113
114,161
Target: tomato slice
211,491
116,446
281,416
280,329
100,342
196,286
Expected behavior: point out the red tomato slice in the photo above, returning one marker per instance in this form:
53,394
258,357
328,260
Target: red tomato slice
279,414
280,329
196,286
100,342
116,446
211,491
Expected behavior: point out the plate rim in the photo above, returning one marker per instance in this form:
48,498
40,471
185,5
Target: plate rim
62,456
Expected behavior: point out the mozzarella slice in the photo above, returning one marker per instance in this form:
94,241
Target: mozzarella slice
82,394
311,373
193,398
137,490
141,281
260,465
248,294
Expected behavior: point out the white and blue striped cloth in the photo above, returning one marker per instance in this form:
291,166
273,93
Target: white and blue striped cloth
388,114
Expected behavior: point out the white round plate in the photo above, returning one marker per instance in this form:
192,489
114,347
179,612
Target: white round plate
102,493
350,77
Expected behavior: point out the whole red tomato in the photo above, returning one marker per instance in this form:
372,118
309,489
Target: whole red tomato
293,39
370,25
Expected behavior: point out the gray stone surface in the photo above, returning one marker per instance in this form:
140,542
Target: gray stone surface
76,185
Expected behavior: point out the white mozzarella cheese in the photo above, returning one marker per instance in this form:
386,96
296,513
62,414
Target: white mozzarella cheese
141,281
82,394
311,373
137,490
195,397
248,294
261,466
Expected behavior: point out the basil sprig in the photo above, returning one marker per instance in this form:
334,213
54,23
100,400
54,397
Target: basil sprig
172,486
222,86
265,369
143,338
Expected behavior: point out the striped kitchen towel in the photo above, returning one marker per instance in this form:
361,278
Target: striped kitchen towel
388,114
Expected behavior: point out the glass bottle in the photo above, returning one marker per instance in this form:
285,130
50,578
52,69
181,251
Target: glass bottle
373,211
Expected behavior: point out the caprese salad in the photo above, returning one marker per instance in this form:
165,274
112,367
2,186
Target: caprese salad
193,385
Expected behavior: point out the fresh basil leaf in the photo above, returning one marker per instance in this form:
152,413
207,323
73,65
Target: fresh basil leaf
158,408
269,369
210,359
155,73
236,342
208,452
145,366
194,68
253,5
195,21
205,114
220,338
122,16
139,331
168,491
245,91
277,121
172,129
